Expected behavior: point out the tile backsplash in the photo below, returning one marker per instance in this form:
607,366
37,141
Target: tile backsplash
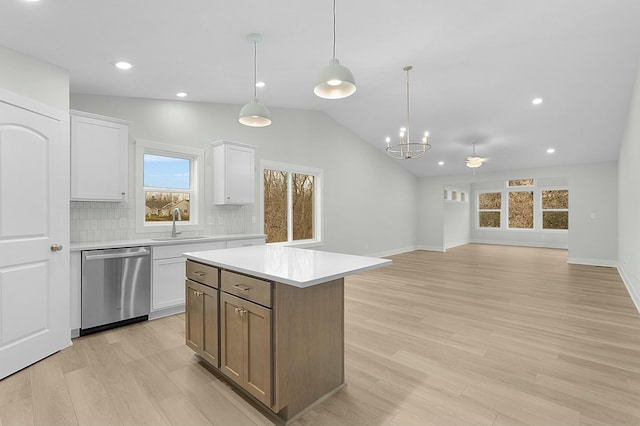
98,221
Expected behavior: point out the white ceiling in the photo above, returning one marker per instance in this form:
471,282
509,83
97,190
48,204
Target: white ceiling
477,65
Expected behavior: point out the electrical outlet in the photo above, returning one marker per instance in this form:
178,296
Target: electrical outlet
253,219
219,220
123,222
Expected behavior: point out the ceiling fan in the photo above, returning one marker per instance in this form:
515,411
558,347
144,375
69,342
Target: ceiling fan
474,161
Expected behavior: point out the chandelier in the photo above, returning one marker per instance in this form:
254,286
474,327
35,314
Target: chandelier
404,149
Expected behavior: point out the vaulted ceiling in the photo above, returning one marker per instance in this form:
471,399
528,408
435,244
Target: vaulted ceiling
477,65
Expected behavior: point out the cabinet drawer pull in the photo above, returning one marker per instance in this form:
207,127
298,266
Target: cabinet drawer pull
200,273
242,287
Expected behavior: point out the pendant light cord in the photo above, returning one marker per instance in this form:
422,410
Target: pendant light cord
255,69
334,29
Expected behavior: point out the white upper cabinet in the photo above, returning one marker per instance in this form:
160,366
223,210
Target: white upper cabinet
233,173
99,157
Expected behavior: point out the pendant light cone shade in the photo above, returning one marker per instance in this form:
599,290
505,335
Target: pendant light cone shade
255,113
335,81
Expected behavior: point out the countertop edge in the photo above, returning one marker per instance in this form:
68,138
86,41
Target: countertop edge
300,284
96,245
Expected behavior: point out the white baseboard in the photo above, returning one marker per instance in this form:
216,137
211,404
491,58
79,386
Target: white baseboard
633,292
393,252
456,244
593,262
521,244
431,248
166,312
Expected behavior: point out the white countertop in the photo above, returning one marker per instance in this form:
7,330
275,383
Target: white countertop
288,265
93,245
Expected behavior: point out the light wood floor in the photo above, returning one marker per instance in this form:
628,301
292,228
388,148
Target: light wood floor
477,335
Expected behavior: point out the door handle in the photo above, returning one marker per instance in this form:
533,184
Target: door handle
56,247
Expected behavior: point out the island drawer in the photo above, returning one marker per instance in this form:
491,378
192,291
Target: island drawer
254,289
201,273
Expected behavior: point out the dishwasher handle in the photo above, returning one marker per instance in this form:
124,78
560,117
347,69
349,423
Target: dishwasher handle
140,253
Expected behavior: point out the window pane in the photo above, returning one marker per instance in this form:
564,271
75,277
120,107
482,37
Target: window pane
463,196
166,172
159,205
555,199
521,182
521,210
302,206
555,220
454,195
275,205
490,219
490,201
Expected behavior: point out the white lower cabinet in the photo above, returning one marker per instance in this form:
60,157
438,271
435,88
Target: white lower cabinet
167,276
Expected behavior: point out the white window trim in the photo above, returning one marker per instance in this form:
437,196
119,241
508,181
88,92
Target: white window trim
196,205
317,201
551,210
504,211
478,210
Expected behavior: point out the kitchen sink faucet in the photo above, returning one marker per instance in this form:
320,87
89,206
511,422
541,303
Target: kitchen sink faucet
174,234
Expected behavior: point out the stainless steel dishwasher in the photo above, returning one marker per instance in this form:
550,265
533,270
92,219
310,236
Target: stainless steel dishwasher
116,287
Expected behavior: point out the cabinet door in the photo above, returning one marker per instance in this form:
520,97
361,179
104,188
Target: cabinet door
258,353
240,176
233,173
231,338
209,351
194,316
99,159
167,285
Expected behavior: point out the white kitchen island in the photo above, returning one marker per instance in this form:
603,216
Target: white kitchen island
271,319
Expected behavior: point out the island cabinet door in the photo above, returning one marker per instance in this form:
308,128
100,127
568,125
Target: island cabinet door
258,353
231,338
210,325
246,346
193,329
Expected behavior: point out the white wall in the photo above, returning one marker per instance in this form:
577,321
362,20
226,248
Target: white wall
629,200
34,79
591,194
369,200
457,218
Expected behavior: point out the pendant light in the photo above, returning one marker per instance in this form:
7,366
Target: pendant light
335,81
255,113
404,149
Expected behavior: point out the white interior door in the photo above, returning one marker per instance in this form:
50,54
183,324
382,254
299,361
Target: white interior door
34,222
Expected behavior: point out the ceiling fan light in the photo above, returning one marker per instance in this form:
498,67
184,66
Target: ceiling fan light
255,114
335,81
474,162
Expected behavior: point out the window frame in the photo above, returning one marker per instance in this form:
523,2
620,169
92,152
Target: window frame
196,190
542,210
318,175
500,210
504,210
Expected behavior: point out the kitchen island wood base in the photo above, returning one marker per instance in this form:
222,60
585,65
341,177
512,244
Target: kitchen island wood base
280,322
306,349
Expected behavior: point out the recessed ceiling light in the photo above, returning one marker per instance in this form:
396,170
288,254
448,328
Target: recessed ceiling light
260,84
32,1
181,94
440,163
537,101
551,151
123,65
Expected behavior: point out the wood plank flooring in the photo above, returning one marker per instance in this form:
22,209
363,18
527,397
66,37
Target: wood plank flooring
480,334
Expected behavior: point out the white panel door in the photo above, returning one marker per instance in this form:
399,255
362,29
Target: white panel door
34,223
